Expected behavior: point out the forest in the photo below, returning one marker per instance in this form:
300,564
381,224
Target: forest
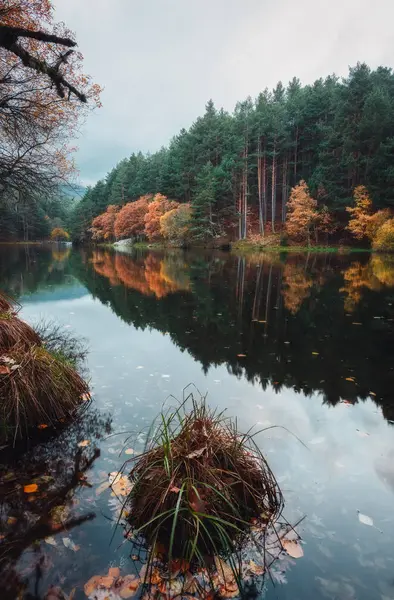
317,151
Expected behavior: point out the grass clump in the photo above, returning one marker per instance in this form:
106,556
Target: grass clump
199,486
37,388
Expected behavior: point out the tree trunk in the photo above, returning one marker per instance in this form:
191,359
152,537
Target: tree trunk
273,199
260,186
264,185
284,189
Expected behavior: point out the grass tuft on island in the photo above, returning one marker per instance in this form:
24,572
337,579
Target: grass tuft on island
199,486
39,383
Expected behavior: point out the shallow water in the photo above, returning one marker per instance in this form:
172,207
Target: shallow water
302,342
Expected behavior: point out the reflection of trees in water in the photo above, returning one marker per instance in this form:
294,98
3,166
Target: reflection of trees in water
150,275
376,274
58,467
287,318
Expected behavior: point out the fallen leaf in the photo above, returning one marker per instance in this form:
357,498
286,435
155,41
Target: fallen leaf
42,426
315,353
197,453
31,488
372,394
129,451
68,543
84,444
175,489
365,519
85,397
293,548
120,484
50,540
241,355
91,585
349,379
4,370
114,572
11,520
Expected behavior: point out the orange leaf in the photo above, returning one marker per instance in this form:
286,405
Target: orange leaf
175,489
42,426
241,355
31,488
4,370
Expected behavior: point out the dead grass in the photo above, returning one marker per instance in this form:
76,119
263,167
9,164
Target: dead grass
14,331
37,388
199,486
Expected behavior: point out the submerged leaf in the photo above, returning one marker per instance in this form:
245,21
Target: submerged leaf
70,544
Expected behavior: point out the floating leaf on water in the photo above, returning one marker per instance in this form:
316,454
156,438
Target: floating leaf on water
120,484
315,353
293,548
70,544
31,488
372,394
349,379
365,519
129,451
241,355
83,444
114,572
50,540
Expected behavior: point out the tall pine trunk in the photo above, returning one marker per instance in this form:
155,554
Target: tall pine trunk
260,186
284,188
273,198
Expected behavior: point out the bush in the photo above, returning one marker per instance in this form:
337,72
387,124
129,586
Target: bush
384,238
59,235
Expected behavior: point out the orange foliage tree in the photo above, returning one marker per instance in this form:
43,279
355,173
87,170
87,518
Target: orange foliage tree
43,95
130,220
59,235
103,226
156,209
303,217
364,223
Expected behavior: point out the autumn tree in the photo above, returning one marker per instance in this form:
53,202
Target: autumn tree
103,226
364,222
175,224
383,240
130,220
156,209
43,96
302,213
59,235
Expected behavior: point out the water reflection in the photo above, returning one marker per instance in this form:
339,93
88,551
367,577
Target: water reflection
316,324
38,499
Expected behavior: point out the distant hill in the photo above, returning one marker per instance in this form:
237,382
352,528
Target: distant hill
74,191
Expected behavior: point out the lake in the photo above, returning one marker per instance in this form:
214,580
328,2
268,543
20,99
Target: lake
303,342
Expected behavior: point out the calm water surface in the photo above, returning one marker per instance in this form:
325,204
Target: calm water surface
304,342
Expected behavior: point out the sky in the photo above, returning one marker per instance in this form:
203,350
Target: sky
160,61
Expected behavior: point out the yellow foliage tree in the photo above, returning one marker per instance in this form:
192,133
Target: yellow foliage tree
384,238
59,235
175,224
364,223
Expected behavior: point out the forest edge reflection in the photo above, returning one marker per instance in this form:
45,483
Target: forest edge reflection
318,323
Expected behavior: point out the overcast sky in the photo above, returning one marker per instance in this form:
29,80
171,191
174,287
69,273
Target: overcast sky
161,60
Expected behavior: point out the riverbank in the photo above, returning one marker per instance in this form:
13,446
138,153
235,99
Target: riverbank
244,246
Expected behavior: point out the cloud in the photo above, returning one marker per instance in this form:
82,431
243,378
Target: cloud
161,60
